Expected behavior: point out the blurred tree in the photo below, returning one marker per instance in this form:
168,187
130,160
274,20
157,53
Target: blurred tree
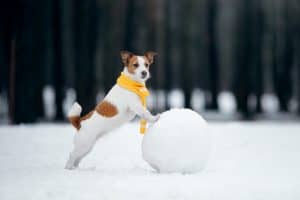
84,53
156,21
294,17
257,49
67,41
196,42
58,60
7,53
241,82
39,50
185,60
167,85
176,29
7,59
282,62
6,37
114,28
25,82
213,57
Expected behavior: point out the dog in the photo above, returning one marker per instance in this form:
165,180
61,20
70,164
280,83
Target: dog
119,106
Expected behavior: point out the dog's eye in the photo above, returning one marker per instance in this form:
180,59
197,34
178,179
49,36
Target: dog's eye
136,65
146,64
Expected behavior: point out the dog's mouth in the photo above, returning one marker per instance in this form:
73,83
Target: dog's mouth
144,76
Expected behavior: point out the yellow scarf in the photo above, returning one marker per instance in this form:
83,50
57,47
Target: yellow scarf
137,88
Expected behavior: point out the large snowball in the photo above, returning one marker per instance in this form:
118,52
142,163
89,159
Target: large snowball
178,142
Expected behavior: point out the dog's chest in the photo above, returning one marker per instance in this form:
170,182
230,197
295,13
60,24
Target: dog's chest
122,99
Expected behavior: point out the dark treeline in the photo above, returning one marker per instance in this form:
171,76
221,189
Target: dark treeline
249,47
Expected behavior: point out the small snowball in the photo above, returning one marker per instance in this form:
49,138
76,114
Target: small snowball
178,142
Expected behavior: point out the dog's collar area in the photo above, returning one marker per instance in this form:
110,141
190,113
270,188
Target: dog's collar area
139,89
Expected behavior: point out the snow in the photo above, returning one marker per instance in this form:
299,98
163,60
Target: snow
49,102
269,103
249,161
198,100
69,100
227,103
3,103
176,98
180,141
157,99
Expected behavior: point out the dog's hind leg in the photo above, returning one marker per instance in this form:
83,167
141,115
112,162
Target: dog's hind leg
82,146
82,153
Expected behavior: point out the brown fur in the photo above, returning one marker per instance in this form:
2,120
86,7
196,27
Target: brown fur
149,55
106,109
125,56
75,121
130,66
147,61
129,59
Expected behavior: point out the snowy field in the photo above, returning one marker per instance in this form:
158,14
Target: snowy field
250,161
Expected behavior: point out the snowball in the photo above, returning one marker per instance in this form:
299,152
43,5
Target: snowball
178,142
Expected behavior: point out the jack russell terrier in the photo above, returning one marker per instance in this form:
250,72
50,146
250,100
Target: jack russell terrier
123,102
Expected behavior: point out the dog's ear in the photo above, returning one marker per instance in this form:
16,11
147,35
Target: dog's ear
150,56
125,56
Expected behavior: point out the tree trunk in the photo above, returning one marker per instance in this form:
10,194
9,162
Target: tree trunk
295,11
243,55
58,67
281,56
7,54
85,77
258,25
213,57
24,110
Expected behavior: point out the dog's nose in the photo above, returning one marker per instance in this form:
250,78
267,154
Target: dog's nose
144,73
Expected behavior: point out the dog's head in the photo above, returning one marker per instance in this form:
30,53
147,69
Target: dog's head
137,67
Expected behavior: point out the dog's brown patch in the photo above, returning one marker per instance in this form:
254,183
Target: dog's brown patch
75,121
129,60
106,109
147,62
125,56
130,66
149,56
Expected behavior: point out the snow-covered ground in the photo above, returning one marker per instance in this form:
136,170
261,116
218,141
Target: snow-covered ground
250,161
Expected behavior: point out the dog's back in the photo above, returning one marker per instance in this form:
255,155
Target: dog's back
111,112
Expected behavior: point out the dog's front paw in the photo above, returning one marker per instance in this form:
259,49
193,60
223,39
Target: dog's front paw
156,118
71,167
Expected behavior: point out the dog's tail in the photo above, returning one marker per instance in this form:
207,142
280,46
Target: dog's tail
74,115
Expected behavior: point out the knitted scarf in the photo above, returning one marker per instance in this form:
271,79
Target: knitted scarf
137,88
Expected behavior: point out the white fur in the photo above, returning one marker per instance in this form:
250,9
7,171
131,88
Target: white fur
75,110
128,105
